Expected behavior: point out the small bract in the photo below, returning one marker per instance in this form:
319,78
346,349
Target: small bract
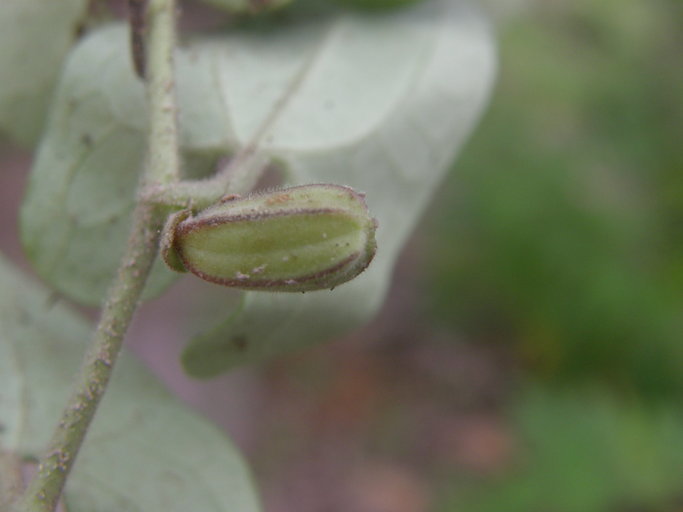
295,239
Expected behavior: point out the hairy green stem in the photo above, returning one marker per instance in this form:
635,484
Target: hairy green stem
163,160
161,168
46,486
239,176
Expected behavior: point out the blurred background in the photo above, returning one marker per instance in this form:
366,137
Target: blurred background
529,356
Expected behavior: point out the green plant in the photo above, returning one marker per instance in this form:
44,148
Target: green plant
378,103
562,239
584,450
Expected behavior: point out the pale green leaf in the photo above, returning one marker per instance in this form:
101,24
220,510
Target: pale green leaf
76,214
380,103
35,36
145,452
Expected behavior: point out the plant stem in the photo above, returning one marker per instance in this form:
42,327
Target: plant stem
239,176
46,486
163,161
162,167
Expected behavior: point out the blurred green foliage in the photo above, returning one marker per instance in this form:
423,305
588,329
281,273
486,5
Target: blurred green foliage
583,452
559,235
560,229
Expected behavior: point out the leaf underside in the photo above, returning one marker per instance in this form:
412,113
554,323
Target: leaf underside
145,450
380,103
35,37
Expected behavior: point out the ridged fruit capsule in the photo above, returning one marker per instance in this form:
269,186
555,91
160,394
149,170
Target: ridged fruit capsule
295,239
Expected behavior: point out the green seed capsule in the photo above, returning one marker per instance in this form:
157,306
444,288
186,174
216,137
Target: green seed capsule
296,239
